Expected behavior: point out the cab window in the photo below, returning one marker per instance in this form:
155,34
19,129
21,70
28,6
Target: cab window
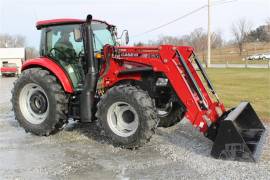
102,35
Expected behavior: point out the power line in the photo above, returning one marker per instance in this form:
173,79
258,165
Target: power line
216,3
184,16
170,22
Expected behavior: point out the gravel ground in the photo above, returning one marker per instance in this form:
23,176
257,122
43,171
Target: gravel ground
79,152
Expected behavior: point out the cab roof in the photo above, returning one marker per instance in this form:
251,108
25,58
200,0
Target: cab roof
53,22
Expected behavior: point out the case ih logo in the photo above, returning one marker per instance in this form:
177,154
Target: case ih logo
139,55
128,54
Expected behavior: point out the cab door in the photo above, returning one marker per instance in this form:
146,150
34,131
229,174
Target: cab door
64,47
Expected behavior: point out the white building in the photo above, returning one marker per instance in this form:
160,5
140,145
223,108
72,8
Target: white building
12,55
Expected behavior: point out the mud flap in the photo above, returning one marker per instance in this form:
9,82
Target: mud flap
239,135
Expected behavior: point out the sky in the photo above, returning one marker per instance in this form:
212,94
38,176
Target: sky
137,16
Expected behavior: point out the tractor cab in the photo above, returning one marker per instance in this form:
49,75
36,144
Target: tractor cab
64,41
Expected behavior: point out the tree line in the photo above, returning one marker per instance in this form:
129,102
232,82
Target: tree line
17,41
241,31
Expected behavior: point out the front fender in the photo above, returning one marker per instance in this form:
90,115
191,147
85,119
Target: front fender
53,67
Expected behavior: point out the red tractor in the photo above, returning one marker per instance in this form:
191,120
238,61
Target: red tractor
9,69
84,74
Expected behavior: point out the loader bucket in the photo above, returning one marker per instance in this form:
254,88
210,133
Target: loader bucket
239,135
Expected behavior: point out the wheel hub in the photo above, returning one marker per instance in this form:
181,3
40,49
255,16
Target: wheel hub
38,102
128,116
123,119
34,104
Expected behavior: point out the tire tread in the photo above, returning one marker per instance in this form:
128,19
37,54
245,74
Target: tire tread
60,96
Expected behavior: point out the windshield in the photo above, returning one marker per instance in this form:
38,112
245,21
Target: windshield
102,35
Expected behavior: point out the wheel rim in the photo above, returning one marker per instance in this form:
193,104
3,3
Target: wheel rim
34,104
162,112
122,119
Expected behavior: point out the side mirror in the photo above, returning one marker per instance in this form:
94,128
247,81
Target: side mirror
77,34
126,36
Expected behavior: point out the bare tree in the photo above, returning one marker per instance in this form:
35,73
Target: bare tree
162,40
216,40
31,53
8,41
198,39
138,44
267,21
240,31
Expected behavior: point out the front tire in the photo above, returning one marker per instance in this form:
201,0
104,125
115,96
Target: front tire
127,115
39,102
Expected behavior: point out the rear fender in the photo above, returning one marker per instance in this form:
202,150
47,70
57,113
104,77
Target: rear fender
54,68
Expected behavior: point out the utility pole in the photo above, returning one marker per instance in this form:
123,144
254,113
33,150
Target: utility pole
209,37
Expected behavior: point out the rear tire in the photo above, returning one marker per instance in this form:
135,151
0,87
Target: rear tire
127,115
39,102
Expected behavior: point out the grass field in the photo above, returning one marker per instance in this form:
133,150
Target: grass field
236,85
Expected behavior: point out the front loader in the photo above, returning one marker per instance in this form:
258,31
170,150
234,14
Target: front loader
85,75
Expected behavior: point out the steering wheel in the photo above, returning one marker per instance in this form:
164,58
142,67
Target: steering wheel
55,49
81,53
65,56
